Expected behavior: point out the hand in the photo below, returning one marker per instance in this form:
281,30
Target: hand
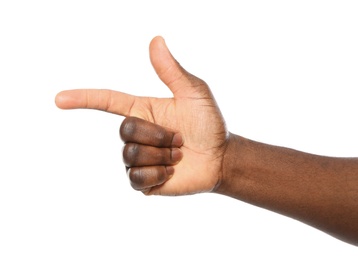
174,146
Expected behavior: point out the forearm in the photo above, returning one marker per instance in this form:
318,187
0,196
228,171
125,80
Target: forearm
320,191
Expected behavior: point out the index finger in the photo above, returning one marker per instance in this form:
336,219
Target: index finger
100,99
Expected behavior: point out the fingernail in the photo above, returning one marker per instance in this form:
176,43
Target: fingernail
176,155
177,140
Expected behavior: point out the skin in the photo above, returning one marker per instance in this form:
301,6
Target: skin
180,145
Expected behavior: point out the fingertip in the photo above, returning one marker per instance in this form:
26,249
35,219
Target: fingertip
177,140
170,171
67,99
159,52
59,100
176,155
156,41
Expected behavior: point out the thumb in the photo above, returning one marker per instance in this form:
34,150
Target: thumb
171,73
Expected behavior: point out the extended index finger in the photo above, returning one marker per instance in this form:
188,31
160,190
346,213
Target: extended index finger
100,99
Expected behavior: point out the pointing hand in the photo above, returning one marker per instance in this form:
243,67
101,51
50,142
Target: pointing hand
173,146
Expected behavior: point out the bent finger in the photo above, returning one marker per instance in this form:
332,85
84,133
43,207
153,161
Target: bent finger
136,130
100,99
144,178
143,155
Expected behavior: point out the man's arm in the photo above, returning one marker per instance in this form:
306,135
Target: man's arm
180,145
317,190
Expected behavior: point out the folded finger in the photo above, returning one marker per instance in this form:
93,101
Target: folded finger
136,130
144,178
142,155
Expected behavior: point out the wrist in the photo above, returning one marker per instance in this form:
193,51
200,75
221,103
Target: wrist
232,166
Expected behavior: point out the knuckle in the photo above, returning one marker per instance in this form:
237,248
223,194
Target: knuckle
128,128
196,81
137,178
130,154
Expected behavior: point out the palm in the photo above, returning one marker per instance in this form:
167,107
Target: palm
203,129
192,112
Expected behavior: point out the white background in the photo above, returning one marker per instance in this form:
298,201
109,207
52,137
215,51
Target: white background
283,72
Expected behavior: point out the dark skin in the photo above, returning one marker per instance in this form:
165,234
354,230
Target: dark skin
180,146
